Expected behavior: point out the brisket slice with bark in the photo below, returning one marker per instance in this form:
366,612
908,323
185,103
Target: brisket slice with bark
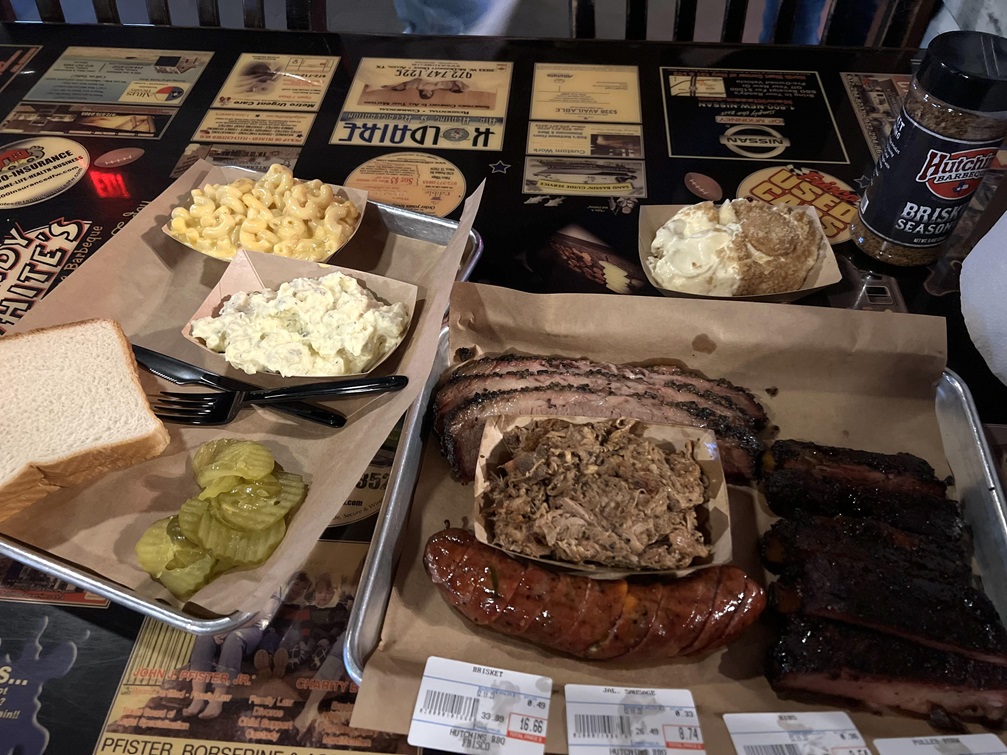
862,470
952,617
731,395
461,388
792,490
463,428
825,657
792,541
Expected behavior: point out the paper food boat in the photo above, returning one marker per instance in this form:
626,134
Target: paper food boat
254,271
825,272
714,516
226,175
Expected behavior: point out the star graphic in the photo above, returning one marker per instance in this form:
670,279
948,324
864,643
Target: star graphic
863,181
499,167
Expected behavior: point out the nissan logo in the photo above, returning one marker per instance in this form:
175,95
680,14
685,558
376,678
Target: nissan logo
754,141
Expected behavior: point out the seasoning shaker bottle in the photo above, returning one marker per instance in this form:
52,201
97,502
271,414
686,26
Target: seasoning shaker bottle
953,120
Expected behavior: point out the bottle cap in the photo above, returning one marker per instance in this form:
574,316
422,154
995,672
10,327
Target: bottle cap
967,69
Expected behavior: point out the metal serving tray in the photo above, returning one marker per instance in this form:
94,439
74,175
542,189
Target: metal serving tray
977,486
396,220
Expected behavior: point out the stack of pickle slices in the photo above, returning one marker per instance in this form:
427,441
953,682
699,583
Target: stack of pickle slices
236,521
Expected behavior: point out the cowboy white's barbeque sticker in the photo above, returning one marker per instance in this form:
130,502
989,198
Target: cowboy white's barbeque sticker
565,92
442,104
33,260
722,113
277,82
118,74
834,200
34,170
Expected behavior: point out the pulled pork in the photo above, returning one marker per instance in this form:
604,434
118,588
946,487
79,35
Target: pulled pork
596,493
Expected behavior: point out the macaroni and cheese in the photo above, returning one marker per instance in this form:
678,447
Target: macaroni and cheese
331,325
276,215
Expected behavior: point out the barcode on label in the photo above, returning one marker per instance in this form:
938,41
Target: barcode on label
585,725
446,705
786,749
628,751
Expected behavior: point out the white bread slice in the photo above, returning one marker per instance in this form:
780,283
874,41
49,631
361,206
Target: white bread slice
71,409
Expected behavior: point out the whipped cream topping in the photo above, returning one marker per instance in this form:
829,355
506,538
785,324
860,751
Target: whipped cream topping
699,251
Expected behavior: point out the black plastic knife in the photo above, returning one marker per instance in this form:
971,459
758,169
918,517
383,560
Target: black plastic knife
182,373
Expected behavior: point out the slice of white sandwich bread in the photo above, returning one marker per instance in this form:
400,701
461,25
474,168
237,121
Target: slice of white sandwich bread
71,409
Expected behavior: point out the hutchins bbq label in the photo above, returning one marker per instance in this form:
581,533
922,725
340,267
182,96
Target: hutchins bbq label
922,184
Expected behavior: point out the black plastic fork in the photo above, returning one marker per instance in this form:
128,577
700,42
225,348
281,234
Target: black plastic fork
220,407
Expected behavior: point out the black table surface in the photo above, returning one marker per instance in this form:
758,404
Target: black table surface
73,707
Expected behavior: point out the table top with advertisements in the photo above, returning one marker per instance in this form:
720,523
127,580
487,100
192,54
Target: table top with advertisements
572,138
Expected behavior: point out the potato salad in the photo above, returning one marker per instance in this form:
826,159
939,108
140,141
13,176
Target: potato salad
326,326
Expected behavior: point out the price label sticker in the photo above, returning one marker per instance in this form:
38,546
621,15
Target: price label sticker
631,721
467,708
966,744
829,732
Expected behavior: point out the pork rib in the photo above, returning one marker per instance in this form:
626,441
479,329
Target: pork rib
790,491
862,470
824,657
952,617
791,541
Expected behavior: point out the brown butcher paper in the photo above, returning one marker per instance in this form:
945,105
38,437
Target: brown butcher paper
151,285
859,379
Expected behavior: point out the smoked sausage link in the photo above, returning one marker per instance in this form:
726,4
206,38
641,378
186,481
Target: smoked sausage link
588,618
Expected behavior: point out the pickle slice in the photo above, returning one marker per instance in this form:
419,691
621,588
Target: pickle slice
261,509
185,551
220,485
163,546
245,548
251,506
228,457
189,517
154,549
183,582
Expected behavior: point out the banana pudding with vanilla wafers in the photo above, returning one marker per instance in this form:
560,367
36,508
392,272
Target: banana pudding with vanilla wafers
739,248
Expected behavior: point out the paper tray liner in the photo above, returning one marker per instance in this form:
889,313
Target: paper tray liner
714,514
824,273
225,174
152,285
858,379
253,271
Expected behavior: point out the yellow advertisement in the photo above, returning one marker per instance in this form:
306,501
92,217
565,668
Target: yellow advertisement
254,127
447,104
273,685
566,92
585,139
260,81
413,180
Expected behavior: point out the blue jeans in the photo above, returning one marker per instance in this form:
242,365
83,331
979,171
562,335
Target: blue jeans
806,22
440,16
